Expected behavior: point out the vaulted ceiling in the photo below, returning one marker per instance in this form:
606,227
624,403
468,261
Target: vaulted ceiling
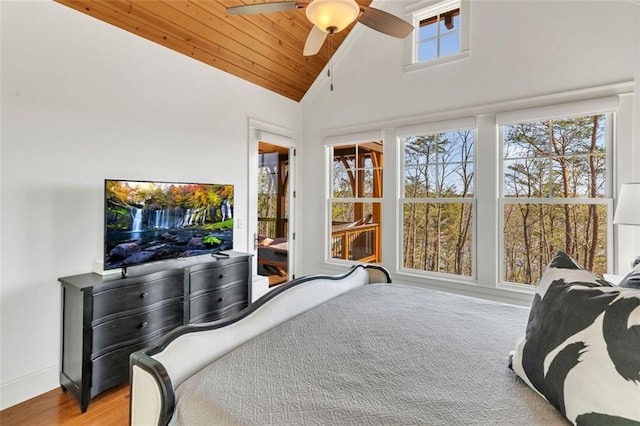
263,49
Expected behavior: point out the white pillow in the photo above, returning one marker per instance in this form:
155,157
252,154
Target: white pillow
582,346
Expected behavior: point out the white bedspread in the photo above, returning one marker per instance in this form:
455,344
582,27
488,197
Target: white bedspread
380,354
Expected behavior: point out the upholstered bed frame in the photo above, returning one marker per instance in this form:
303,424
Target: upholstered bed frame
332,350
157,371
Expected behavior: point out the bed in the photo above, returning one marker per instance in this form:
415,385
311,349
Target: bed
346,349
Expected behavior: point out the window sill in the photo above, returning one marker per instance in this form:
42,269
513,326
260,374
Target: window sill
438,276
469,287
439,61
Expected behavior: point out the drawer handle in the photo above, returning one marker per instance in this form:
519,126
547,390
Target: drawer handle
144,324
220,299
144,295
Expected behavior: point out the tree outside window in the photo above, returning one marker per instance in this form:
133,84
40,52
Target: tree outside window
554,195
438,203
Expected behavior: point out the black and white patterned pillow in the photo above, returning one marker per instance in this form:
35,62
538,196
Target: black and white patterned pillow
582,346
632,280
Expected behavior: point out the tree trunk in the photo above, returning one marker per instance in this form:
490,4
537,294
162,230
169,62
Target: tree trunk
527,243
593,209
568,227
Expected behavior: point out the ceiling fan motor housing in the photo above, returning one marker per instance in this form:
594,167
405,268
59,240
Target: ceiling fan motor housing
332,16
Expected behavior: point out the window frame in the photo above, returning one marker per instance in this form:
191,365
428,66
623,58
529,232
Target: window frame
455,125
330,144
423,10
558,111
617,98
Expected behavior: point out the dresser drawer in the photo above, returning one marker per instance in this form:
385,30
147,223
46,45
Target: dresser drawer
130,329
155,288
112,369
210,277
217,304
225,313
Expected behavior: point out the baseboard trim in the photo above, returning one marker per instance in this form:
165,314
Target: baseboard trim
28,386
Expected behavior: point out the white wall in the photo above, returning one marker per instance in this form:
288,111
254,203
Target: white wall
528,49
83,101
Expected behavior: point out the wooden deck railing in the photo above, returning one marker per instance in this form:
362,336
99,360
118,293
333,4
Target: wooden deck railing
360,243
356,243
267,226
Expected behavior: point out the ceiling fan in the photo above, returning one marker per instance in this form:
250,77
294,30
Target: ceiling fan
329,17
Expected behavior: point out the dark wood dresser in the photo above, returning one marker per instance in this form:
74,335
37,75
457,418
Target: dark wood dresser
106,318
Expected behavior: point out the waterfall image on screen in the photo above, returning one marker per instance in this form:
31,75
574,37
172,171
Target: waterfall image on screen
151,221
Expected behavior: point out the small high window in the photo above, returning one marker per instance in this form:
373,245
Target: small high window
441,33
438,35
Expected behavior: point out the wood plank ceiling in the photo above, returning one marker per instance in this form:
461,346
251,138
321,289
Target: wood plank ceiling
263,49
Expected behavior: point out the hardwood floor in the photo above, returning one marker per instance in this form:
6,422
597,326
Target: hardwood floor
276,279
61,408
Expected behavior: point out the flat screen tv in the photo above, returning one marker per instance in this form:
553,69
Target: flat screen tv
152,221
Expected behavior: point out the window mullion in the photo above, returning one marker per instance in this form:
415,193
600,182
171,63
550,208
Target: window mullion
487,163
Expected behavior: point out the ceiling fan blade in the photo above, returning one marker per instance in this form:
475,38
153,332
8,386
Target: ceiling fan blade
256,8
384,22
314,42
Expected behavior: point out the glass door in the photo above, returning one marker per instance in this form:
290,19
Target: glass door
272,239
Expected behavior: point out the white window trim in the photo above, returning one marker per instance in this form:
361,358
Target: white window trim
572,109
336,140
464,123
425,8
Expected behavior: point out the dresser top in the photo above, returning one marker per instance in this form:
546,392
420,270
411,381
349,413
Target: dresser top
142,273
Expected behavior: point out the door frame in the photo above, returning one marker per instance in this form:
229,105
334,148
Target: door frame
275,135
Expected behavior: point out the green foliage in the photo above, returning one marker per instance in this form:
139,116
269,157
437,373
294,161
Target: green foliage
227,224
119,218
210,239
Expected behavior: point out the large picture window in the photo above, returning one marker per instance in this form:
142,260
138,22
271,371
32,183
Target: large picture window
555,194
438,202
356,201
481,200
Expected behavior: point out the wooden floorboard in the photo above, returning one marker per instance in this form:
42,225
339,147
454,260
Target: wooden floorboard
61,408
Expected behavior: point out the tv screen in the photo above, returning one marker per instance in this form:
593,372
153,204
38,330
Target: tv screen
152,221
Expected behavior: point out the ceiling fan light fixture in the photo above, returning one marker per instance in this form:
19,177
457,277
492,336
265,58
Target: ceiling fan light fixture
332,16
